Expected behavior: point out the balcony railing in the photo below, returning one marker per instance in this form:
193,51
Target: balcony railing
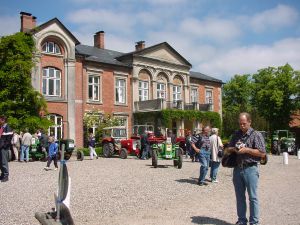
160,104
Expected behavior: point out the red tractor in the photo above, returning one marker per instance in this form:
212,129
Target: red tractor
115,142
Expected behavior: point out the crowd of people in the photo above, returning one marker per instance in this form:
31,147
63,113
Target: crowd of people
202,147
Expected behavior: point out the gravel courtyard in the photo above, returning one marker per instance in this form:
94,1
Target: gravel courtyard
116,191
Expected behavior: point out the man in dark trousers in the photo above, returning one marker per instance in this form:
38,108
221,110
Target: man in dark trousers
6,134
145,144
251,147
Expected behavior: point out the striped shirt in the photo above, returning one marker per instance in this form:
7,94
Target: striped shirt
253,139
201,141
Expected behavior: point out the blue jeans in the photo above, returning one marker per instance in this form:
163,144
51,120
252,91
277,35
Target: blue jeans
214,170
24,149
246,178
204,158
145,152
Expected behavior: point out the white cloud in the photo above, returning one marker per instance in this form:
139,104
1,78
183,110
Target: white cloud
9,25
249,59
218,29
103,19
275,18
166,2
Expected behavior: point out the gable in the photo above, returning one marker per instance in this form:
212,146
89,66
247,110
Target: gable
164,55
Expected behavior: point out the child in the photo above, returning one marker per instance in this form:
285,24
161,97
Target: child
53,151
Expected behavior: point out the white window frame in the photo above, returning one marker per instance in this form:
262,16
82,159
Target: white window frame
177,93
47,79
96,97
161,90
120,90
47,49
194,95
55,118
143,90
209,98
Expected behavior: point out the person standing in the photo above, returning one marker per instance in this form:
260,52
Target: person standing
145,144
53,151
92,145
246,174
44,142
215,145
188,144
26,143
15,142
201,145
5,144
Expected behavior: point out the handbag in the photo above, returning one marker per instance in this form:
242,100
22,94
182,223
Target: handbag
229,159
220,150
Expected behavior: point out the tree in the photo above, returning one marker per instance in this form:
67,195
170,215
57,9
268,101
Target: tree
236,99
18,99
274,94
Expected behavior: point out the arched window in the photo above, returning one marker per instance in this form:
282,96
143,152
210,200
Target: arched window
144,79
51,47
57,129
51,82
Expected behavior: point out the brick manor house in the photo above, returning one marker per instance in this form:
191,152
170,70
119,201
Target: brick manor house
76,79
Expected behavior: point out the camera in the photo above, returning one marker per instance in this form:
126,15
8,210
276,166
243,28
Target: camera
240,145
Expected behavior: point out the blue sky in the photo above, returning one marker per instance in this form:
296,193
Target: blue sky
219,38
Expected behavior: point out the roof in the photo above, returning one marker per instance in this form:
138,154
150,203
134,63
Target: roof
95,54
202,76
153,47
55,20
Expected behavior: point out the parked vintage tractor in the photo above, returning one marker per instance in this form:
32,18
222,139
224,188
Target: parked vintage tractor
111,142
165,150
283,141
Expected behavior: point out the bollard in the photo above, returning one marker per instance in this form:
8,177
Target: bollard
298,154
285,158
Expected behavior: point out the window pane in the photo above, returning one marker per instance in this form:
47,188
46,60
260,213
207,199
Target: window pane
44,86
51,72
51,87
59,133
96,93
45,71
50,47
90,79
117,95
90,92
57,49
58,120
57,74
57,87
96,80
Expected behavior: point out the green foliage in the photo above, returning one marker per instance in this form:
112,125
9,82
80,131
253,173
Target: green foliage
167,115
269,96
18,99
86,151
273,94
95,119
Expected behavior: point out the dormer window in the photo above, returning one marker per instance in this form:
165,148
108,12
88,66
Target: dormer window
51,47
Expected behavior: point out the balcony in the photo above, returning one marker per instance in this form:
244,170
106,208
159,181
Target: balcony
160,104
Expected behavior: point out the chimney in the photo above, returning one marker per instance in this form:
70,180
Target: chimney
28,22
99,39
140,45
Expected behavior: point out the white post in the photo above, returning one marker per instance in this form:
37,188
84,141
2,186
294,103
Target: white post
298,154
285,158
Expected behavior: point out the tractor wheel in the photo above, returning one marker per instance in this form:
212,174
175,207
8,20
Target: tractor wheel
180,159
80,155
123,153
154,158
108,150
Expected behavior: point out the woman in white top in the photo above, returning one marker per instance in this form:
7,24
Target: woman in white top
215,145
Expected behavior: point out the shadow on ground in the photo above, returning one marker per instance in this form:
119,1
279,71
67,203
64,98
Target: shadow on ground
160,166
208,221
189,181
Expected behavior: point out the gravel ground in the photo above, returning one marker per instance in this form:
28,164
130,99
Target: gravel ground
115,191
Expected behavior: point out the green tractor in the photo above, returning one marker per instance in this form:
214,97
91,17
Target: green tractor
165,150
283,141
